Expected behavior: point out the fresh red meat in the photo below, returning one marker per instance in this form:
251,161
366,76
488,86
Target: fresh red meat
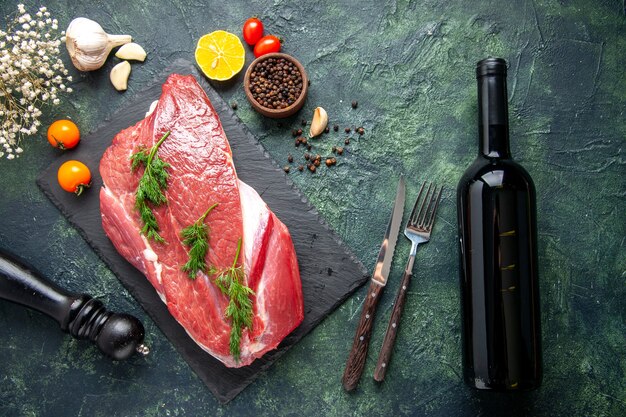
201,174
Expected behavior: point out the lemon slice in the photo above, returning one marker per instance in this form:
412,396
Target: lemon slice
220,55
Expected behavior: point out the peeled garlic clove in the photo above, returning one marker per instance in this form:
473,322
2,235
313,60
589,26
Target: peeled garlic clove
119,75
89,45
320,120
132,52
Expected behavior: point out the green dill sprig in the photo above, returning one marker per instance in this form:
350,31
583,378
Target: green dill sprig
239,309
151,185
196,237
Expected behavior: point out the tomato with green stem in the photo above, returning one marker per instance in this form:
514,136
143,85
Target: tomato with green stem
63,134
74,177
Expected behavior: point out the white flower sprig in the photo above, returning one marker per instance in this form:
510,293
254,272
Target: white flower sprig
31,75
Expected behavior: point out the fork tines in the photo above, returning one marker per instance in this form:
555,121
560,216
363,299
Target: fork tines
424,218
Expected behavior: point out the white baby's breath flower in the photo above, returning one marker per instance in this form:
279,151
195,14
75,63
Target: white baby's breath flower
31,74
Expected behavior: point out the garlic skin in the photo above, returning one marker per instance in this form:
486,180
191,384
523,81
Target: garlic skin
89,45
319,122
119,75
131,52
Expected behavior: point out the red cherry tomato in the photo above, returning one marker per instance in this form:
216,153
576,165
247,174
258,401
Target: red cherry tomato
267,44
252,30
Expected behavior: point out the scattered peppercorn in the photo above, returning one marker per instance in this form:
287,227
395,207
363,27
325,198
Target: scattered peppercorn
347,130
355,104
300,168
312,168
336,128
309,146
303,122
303,140
275,83
233,105
347,141
329,162
290,158
307,156
316,163
299,132
334,149
294,133
360,131
327,129
286,168
297,143
340,150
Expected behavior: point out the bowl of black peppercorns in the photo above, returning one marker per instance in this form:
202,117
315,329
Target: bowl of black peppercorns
276,85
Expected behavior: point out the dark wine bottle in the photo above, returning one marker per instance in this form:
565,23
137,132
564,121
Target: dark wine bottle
496,209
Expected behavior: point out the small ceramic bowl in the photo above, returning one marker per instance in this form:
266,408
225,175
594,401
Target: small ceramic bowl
277,113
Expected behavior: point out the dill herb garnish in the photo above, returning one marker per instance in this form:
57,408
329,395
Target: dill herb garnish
239,309
151,185
196,237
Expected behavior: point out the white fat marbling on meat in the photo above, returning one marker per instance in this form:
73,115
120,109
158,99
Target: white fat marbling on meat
152,107
151,256
254,213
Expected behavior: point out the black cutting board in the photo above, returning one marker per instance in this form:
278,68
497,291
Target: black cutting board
329,271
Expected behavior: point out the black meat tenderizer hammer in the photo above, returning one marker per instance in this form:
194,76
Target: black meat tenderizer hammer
117,335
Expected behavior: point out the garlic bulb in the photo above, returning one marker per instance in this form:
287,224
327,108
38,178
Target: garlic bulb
89,45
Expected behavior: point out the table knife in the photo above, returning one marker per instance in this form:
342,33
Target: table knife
358,353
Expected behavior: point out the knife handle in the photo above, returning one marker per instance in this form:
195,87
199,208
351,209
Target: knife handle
392,328
358,353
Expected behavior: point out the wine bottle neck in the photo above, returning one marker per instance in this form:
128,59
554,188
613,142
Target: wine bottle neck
493,115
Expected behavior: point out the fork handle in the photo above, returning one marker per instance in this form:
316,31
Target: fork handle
392,328
358,353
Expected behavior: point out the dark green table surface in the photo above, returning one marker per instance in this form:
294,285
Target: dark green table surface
410,66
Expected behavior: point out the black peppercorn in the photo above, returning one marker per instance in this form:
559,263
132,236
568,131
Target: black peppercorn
286,168
300,168
336,128
275,83
355,104
233,105
347,130
347,141
360,131
326,130
290,158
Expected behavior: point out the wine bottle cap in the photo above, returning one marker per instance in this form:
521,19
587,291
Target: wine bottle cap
491,66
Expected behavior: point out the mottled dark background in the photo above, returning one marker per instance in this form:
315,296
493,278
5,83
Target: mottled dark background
410,66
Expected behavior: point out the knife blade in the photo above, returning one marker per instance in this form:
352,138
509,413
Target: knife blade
358,353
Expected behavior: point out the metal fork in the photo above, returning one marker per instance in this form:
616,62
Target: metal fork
417,230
